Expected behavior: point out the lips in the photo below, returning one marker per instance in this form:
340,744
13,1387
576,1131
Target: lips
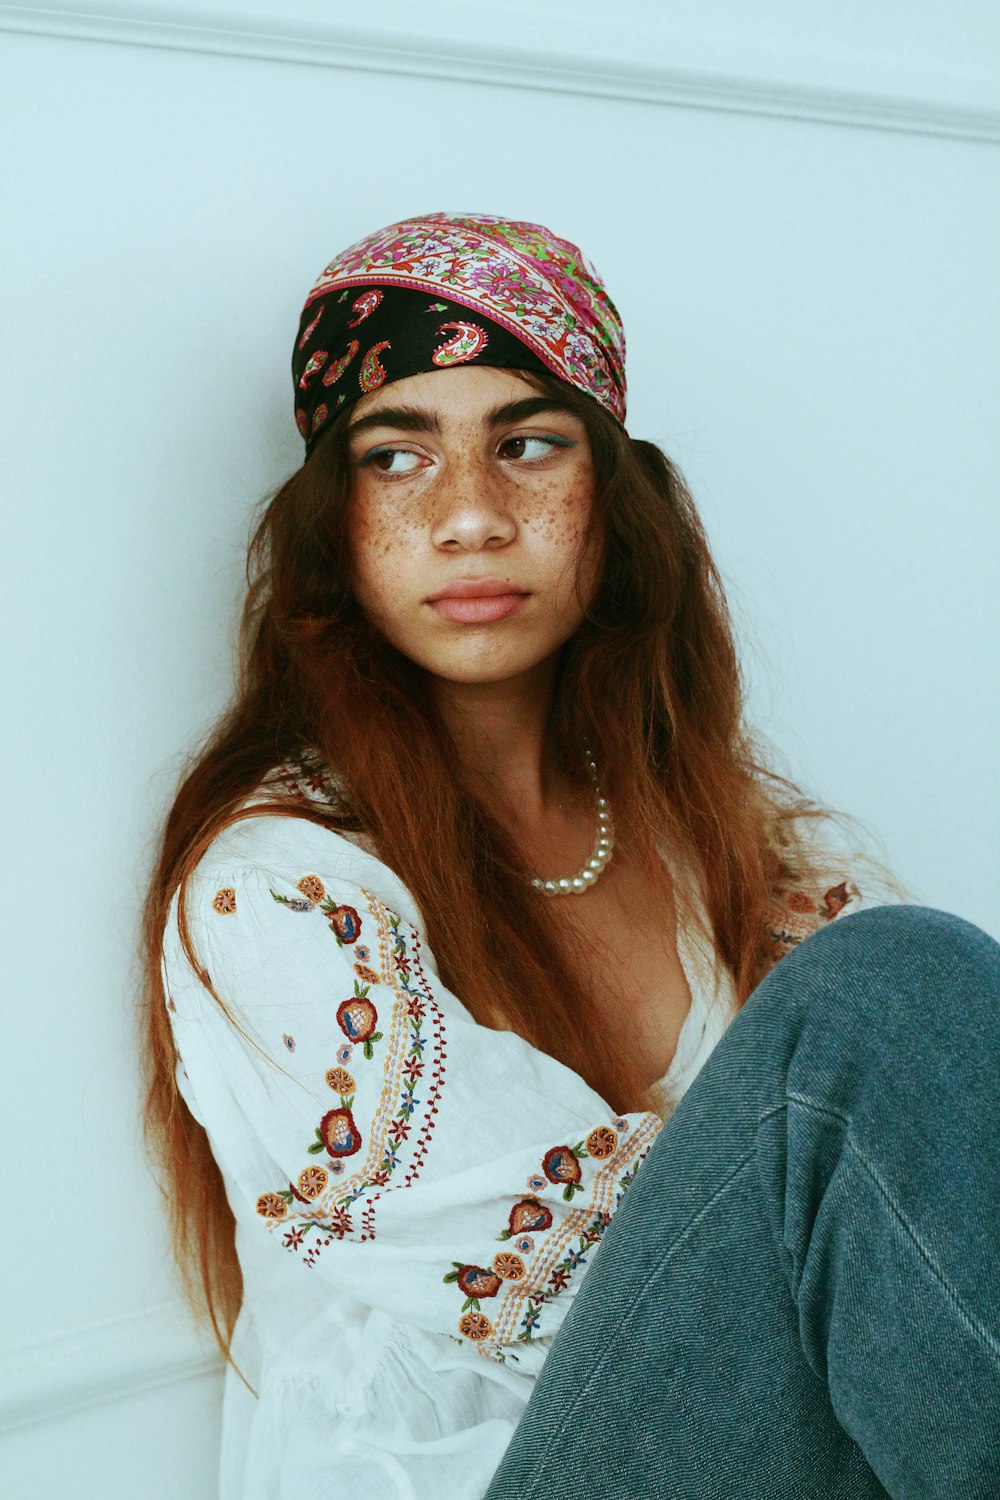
478,601
485,587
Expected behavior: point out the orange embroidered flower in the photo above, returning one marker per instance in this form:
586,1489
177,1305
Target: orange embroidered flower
270,1206
311,887
511,1267
475,1326
340,1081
224,901
602,1142
312,1181
368,975
799,901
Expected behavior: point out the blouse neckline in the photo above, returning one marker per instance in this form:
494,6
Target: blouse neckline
713,996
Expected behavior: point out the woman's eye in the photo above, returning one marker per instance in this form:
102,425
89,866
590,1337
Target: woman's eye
382,458
545,443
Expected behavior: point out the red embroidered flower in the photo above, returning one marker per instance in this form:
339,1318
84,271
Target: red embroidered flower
836,898
476,1281
340,1222
602,1142
357,1018
339,1133
528,1215
345,923
799,901
561,1165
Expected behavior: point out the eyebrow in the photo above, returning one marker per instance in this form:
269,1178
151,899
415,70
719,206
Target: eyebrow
417,419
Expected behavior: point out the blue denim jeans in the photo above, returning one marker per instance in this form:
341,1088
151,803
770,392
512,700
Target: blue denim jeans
799,1297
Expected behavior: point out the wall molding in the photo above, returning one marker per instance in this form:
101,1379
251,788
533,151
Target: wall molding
457,43
102,1362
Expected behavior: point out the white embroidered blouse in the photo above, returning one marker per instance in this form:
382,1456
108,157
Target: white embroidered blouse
417,1197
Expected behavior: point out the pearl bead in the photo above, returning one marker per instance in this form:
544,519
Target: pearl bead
602,851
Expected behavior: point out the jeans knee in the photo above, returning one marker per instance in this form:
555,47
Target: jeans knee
912,964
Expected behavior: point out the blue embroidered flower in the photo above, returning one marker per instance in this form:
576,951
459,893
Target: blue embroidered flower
525,1244
289,1042
344,1053
536,1182
621,1124
362,953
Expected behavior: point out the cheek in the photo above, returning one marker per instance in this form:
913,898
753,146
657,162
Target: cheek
381,536
558,515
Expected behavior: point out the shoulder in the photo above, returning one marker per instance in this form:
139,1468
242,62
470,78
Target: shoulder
278,851
827,868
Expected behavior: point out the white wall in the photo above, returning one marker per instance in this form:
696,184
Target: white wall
812,316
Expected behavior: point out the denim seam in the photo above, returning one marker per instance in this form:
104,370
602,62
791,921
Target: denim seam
975,1327
581,1395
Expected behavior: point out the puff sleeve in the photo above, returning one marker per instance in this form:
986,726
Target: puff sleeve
373,1137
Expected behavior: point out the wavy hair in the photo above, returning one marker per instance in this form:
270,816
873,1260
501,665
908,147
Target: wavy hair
650,680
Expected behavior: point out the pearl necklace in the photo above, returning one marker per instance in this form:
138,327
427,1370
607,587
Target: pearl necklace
603,848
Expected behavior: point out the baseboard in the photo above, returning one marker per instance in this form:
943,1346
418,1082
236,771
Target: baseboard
101,1362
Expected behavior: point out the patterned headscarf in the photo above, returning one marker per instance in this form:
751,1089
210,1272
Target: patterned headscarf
444,289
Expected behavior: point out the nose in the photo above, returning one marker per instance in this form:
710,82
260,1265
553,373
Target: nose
472,508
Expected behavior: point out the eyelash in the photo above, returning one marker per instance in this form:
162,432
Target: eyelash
550,438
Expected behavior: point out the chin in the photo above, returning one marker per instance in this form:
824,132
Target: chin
478,672
485,666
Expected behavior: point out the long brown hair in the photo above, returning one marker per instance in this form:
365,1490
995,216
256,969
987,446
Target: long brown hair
650,681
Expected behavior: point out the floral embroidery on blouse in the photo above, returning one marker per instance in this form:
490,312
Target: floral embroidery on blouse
414,1055
525,1288
357,1019
345,924
224,901
794,914
562,1165
311,887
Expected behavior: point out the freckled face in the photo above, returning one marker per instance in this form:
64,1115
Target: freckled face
482,493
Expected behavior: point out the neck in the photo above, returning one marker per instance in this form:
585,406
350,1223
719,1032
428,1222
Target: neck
500,732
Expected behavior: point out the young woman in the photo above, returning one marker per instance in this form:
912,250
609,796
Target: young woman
500,991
